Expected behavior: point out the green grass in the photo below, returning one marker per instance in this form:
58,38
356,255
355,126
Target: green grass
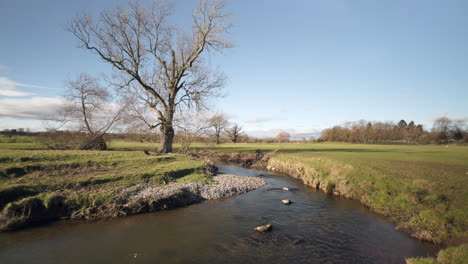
422,188
88,180
451,255
16,139
126,145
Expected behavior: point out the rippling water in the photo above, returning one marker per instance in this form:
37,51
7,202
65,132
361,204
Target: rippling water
315,228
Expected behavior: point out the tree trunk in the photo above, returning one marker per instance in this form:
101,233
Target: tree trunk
167,137
217,139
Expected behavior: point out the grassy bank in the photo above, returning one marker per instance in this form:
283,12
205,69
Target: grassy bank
39,185
421,188
452,255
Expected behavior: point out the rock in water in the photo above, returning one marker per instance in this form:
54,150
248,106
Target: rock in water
285,189
263,228
286,201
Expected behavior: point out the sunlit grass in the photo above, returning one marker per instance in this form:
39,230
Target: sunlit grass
421,187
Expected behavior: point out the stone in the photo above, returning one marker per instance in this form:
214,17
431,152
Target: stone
286,201
263,228
285,189
336,193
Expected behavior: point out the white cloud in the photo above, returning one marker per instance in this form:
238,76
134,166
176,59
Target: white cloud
33,125
259,120
8,88
31,108
295,133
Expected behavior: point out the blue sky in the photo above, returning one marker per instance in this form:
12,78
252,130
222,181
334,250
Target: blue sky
298,66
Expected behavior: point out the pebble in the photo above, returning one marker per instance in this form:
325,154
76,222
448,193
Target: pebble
226,186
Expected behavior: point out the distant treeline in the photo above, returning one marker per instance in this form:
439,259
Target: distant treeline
444,131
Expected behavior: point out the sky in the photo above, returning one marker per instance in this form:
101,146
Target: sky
298,66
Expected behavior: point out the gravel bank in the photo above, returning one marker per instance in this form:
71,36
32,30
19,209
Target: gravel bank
152,199
226,185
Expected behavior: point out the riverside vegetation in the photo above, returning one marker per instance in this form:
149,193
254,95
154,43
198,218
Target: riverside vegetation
420,188
39,185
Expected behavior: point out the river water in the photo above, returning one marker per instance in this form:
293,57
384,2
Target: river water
315,228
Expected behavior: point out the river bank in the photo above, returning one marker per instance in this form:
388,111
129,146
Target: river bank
420,188
409,193
39,186
151,199
315,228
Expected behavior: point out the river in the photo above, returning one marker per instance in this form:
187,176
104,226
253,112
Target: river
315,228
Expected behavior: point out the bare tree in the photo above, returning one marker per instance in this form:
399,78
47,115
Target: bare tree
192,124
283,137
218,123
441,128
234,132
90,110
160,61
459,129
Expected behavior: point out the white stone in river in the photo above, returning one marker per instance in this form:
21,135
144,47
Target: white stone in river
285,189
286,201
263,228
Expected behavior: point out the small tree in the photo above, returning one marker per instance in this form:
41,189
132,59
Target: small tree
190,126
441,128
459,129
234,132
90,111
283,137
218,123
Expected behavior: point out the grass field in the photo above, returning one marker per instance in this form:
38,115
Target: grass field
421,188
85,183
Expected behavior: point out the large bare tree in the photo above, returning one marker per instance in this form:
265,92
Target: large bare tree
162,63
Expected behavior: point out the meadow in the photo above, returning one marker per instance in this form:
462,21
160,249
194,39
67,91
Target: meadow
40,185
422,188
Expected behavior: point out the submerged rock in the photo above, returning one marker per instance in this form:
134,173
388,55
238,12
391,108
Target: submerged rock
263,228
286,201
